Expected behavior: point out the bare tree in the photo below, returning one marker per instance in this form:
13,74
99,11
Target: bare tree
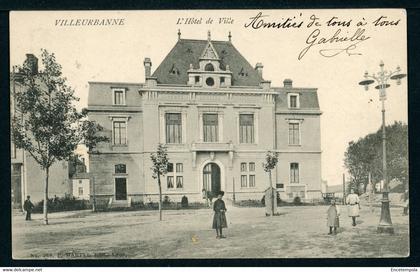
160,168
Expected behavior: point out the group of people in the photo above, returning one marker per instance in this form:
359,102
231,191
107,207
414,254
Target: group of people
333,212
220,222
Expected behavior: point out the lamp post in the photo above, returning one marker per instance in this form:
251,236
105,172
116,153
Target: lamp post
381,78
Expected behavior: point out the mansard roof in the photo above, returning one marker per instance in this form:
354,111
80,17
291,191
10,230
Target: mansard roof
308,98
186,52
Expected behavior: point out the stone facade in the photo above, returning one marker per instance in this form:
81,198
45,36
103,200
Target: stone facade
217,116
27,177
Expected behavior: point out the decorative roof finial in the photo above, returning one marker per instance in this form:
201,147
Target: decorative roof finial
179,34
208,35
230,36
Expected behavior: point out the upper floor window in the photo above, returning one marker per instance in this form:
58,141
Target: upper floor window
173,128
294,172
209,67
294,133
118,96
210,127
120,169
119,132
12,150
246,128
293,100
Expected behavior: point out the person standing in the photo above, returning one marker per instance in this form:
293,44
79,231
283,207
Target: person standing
333,214
405,202
219,218
353,206
28,206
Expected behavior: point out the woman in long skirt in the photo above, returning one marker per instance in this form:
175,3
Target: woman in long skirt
353,206
219,218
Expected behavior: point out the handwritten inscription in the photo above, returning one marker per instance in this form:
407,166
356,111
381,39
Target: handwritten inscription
257,22
315,39
349,33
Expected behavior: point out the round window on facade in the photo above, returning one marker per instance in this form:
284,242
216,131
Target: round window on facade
210,81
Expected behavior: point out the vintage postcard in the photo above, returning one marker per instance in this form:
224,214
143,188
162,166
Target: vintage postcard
209,134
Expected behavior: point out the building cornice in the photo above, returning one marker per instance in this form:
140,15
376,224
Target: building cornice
116,83
186,89
108,108
302,111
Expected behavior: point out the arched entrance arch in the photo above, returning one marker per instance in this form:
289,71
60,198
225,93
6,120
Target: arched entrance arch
212,176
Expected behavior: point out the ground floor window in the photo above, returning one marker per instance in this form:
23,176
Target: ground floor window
175,178
294,172
247,174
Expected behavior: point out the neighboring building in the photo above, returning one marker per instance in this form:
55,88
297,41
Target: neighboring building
217,116
337,190
81,186
27,178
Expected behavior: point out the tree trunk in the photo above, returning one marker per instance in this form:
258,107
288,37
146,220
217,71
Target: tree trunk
272,193
160,199
45,208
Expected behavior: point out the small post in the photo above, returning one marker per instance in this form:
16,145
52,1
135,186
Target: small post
370,193
94,195
344,189
233,197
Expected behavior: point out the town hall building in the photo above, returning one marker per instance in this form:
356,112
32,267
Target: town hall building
217,116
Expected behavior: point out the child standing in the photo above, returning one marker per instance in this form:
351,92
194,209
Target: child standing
219,218
333,214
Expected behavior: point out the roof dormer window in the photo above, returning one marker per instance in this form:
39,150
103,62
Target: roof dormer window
209,67
293,100
174,70
243,73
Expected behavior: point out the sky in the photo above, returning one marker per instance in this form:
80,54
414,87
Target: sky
115,53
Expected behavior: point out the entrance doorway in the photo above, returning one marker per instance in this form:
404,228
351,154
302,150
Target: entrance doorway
211,178
120,189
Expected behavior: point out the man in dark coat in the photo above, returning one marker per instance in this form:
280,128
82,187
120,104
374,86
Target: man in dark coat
219,218
28,206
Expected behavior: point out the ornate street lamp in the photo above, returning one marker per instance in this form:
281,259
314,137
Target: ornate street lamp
381,78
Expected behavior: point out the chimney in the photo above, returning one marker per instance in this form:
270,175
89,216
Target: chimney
32,63
288,83
259,67
147,67
265,84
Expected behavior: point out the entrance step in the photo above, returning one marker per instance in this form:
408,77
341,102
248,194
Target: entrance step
119,203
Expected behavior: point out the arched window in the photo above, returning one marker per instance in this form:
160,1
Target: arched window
209,67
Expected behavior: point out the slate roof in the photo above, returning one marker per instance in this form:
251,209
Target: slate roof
307,99
188,51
